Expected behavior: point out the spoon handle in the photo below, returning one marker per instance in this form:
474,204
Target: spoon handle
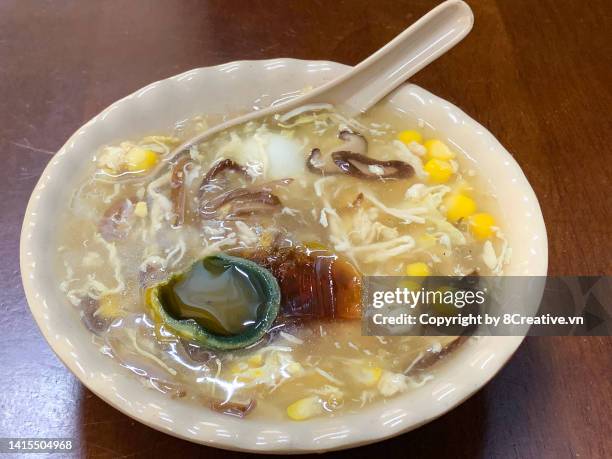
372,79
421,43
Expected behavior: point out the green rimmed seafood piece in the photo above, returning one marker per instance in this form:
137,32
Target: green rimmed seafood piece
221,302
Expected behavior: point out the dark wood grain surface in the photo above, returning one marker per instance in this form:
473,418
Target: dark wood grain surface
536,73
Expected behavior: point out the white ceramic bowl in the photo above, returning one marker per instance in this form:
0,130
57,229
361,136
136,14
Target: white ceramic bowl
230,88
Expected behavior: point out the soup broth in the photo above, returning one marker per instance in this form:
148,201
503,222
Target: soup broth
314,197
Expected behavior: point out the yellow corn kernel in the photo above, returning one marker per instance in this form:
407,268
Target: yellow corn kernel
481,225
438,149
109,307
418,269
255,360
140,160
459,206
410,136
439,170
305,408
140,210
369,376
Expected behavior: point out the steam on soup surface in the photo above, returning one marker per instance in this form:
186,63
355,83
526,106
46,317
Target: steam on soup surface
314,198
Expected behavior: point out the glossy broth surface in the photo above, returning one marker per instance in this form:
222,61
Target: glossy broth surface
142,214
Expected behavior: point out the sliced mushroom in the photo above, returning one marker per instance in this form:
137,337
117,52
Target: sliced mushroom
254,203
116,221
352,160
353,141
238,409
319,165
95,323
470,281
177,187
449,344
360,166
241,202
197,353
358,201
212,179
324,165
219,199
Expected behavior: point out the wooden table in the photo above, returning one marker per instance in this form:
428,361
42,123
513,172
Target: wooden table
536,73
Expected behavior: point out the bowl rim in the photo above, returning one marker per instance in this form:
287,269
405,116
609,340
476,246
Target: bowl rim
37,304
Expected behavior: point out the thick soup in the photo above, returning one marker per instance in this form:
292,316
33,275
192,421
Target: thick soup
229,274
